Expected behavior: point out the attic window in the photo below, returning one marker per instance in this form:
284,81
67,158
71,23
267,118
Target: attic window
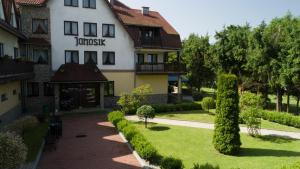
1,11
146,10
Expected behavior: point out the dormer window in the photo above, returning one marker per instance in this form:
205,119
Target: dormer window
13,20
1,11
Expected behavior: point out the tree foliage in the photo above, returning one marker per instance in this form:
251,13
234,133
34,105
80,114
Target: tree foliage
226,136
146,112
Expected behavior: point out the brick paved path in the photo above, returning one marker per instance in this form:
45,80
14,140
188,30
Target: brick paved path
102,148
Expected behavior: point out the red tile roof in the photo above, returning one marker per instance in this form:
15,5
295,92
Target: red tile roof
31,2
78,73
133,19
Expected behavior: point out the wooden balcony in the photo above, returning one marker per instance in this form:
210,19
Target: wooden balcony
153,42
15,70
160,68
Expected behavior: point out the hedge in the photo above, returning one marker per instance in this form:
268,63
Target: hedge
163,108
139,143
281,118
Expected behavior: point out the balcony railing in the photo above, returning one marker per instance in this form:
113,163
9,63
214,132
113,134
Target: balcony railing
160,68
13,68
153,42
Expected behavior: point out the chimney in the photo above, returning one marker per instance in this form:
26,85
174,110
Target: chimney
146,10
112,2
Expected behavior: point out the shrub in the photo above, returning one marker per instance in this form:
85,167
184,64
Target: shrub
122,124
293,166
22,124
129,131
208,103
145,148
130,102
115,116
205,166
13,151
145,112
226,135
251,118
248,99
171,163
281,118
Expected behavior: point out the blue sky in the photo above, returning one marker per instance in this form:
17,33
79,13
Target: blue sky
208,16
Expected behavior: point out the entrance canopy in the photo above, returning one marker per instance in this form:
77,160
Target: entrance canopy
76,73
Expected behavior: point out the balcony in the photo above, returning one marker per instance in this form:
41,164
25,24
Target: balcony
151,42
160,68
15,70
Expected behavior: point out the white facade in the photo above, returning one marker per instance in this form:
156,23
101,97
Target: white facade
9,41
121,44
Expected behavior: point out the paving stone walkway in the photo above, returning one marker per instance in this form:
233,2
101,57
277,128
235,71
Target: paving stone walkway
89,142
293,135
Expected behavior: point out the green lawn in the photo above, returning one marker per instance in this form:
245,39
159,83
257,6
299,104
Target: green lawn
195,146
202,116
33,139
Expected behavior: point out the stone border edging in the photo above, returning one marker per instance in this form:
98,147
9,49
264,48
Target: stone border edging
142,162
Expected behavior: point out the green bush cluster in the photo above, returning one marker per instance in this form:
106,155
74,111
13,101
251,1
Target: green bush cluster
20,125
281,118
163,108
226,135
208,103
140,144
115,116
13,151
293,166
171,163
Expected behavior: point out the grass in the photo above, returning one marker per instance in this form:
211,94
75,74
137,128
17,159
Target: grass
195,146
33,138
205,117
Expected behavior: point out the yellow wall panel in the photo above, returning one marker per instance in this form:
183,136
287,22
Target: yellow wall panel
159,83
13,100
124,81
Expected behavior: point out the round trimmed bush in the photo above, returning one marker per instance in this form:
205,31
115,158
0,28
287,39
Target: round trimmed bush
129,132
122,124
171,163
146,112
208,103
226,137
13,151
115,116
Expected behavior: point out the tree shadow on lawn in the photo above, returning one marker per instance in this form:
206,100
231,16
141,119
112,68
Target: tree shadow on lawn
276,139
159,128
248,152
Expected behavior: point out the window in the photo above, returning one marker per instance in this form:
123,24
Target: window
151,58
73,3
90,29
40,56
1,50
71,56
48,89
13,20
4,97
32,89
90,57
1,11
108,58
16,53
108,30
14,92
39,26
141,58
89,4
71,28
109,89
